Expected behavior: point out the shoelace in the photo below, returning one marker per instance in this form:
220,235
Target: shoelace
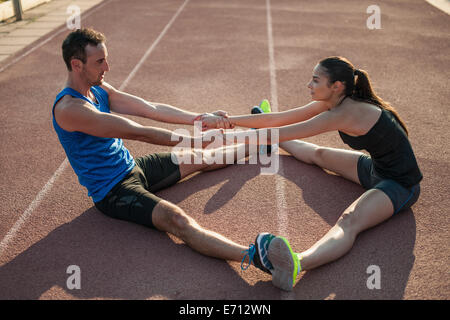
250,253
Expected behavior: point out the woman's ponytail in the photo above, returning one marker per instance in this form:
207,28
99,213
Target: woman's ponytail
362,88
363,91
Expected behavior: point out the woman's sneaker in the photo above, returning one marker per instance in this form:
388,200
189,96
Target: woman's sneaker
285,262
264,107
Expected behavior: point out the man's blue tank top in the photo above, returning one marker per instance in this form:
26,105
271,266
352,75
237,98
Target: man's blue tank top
100,163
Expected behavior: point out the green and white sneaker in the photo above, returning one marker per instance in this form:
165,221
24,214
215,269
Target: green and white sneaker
265,106
285,262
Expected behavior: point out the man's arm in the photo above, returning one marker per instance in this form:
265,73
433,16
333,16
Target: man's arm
74,114
124,103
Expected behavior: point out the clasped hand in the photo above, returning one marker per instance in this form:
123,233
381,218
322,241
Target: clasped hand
214,120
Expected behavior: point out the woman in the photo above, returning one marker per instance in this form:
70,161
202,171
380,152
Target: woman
343,100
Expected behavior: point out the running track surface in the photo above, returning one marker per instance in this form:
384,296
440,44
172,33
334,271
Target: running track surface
216,55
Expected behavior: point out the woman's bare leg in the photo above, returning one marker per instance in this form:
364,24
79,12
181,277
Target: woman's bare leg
342,162
370,209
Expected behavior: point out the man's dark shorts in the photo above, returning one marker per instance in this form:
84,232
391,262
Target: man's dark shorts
132,199
402,198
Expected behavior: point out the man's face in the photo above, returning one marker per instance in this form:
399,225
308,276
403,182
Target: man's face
93,71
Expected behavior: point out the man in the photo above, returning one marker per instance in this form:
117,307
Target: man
123,187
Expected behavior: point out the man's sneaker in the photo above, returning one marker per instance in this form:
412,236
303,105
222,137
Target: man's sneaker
257,253
286,264
262,242
264,107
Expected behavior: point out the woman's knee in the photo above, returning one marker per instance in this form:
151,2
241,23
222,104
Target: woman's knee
347,222
370,209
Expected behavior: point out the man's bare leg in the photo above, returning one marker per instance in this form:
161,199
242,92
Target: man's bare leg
170,218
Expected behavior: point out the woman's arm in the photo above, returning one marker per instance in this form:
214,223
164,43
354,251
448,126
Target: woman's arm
326,121
278,119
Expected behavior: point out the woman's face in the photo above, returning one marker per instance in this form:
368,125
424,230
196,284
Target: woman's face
319,85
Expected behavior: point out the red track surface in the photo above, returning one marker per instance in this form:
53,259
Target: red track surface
215,56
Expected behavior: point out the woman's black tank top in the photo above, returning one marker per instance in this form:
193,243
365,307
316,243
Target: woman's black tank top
390,150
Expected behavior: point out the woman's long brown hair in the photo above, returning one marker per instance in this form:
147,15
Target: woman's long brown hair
340,69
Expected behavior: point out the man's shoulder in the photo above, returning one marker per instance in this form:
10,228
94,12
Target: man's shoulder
69,102
107,87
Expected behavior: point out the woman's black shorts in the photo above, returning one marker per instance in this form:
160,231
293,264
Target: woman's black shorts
402,198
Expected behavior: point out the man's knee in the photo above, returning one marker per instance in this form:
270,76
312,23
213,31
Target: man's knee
189,157
180,221
319,155
171,218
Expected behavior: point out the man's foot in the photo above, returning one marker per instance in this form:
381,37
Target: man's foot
262,242
258,253
286,264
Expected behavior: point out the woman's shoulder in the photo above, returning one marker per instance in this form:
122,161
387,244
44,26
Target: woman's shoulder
359,108
360,115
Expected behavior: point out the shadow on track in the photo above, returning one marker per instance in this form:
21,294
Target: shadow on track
121,260
126,261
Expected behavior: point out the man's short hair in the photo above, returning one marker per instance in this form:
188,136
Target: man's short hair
74,45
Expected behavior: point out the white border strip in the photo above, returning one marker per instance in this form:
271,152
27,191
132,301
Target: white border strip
7,8
443,5
40,44
48,186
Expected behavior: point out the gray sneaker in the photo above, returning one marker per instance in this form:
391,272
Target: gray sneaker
285,264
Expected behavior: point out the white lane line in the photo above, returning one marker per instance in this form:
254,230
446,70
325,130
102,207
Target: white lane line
48,186
282,215
279,183
34,204
273,75
149,50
